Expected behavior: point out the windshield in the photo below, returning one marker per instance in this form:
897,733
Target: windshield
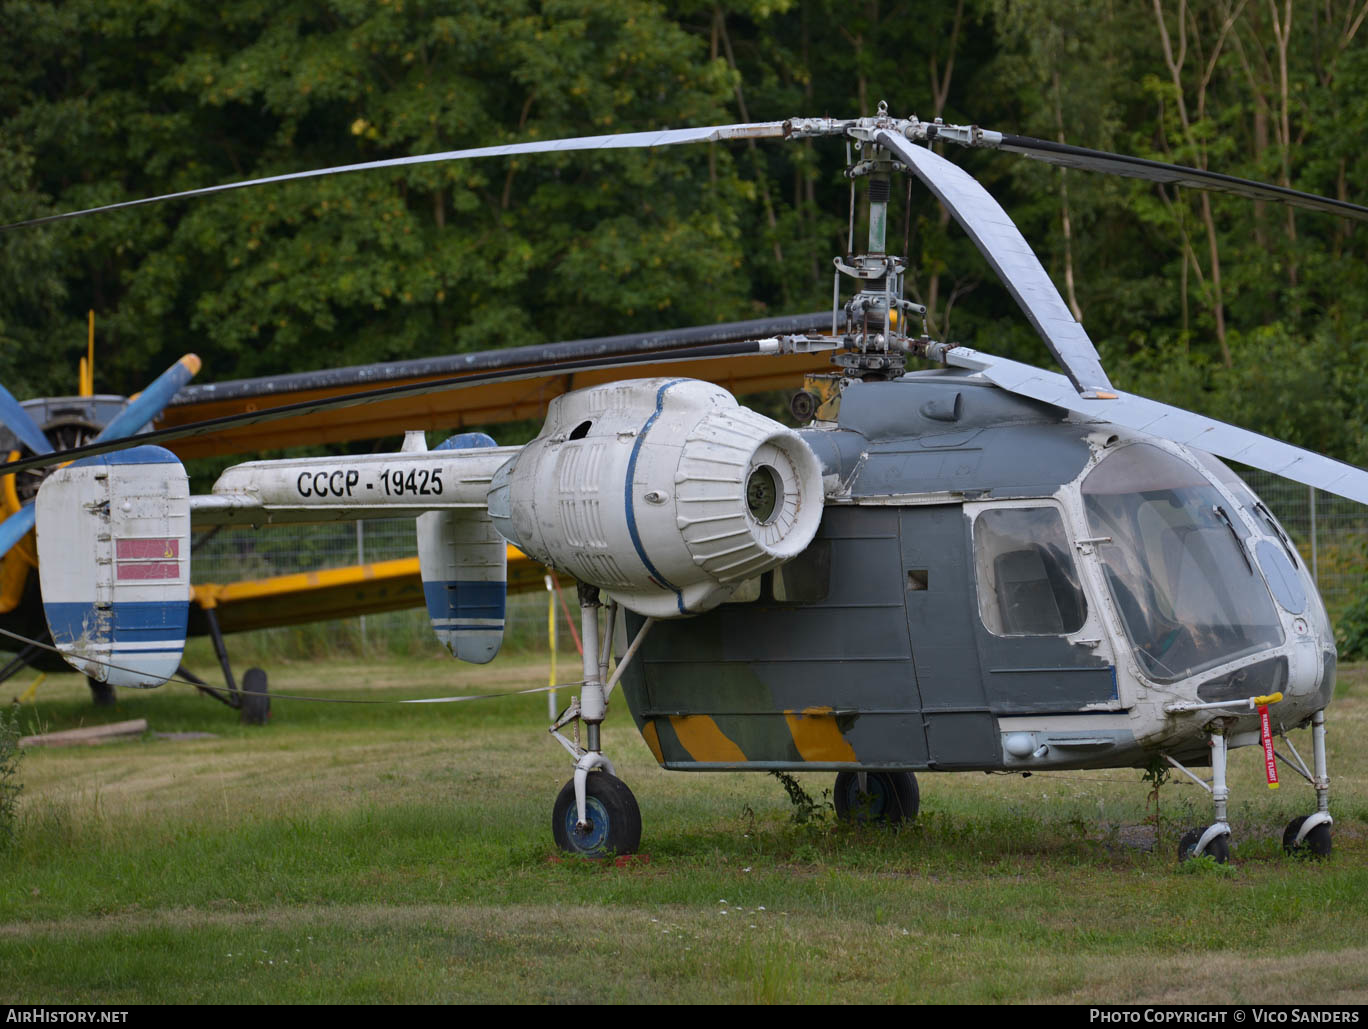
1177,563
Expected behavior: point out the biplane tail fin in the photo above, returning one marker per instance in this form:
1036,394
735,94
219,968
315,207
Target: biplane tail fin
114,562
464,565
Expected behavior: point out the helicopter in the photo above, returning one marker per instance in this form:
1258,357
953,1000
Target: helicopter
977,566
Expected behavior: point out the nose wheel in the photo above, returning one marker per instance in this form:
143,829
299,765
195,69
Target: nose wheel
1301,840
1217,847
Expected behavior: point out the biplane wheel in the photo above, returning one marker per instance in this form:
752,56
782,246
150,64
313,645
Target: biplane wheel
803,405
256,702
612,812
1316,844
891,797
101,693
1218,849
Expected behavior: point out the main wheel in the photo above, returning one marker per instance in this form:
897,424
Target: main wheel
889,797
1218,849
611,810
1316,844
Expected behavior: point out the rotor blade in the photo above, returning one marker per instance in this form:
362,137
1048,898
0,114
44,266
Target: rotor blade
17,420
1001,242
621,141
1171,423
149,403
1157,171
213,425
15,527
263,389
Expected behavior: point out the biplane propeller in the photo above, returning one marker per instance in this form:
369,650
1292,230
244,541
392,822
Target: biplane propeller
979,566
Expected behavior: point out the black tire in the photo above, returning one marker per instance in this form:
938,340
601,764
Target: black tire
101,693
1316,844
614,818
803,405
256,701
1218,849
892,797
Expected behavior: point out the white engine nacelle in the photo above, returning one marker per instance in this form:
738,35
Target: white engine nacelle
664,493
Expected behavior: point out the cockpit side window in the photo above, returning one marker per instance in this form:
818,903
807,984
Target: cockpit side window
1180,572
1027,581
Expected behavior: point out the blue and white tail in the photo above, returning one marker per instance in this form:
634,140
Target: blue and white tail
464,565
114,563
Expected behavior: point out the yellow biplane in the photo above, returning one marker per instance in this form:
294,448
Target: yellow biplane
219,609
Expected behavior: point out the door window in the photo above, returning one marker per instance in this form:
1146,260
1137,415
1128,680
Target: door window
1027,581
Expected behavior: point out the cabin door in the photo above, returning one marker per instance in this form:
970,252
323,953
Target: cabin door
1040,643
961,731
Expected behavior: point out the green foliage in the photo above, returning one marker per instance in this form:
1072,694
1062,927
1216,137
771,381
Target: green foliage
1206,865
10,786
1155,774
1351,631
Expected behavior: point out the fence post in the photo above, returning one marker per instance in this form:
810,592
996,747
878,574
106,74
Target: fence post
1315,566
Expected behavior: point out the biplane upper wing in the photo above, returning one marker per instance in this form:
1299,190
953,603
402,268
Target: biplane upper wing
484,404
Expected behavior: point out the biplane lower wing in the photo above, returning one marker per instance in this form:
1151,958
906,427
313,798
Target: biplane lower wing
333,593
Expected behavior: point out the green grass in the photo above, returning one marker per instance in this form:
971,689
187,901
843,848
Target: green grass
388,853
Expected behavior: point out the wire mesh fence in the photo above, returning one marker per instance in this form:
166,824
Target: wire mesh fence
1330,532
234,555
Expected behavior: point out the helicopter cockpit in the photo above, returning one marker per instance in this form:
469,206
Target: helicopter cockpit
1179,565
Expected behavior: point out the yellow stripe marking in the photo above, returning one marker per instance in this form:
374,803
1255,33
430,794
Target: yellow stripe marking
652,738
32,691
816,735
704,740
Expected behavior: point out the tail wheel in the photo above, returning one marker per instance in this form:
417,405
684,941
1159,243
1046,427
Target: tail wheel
101,693
888,797
614,820
256,702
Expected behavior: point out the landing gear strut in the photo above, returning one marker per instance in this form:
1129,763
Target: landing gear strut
1214,840
1305,835
595,814
252,700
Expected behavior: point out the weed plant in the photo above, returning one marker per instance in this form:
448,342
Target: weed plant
10,787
